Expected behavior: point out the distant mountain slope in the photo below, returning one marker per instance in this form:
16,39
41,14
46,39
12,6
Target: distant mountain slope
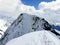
26,23
5,22
6,18
57,27
3,26
36,38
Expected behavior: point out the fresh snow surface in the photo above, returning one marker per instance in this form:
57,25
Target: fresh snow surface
36,38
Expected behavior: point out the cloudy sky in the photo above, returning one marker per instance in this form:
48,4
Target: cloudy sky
48,9
34,3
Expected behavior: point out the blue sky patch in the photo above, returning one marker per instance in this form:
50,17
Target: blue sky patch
34,3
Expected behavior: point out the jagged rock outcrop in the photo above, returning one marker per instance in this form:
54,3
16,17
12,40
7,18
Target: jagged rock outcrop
25,23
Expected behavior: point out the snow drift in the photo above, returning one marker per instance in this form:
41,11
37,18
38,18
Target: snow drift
36,38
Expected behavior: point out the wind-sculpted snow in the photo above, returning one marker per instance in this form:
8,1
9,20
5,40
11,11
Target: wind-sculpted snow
36,38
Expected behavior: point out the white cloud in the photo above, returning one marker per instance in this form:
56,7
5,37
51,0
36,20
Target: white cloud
48,10
54,5
28,9
8,7
51,10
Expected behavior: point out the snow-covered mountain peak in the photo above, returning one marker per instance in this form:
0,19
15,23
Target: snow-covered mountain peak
26,23
36,38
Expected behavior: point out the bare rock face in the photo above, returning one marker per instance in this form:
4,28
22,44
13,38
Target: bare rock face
25,23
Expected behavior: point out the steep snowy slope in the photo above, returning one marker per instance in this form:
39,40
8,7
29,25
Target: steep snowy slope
4,24
25,23
3,27
58,32
36,38
5,21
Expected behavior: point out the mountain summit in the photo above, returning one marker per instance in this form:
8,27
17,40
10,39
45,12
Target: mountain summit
26,23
